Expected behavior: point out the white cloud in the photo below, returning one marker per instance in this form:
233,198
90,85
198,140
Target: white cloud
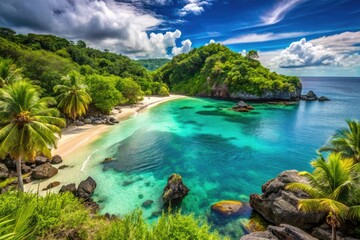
185,48
263,37
278,13
120,27
339,51
194,6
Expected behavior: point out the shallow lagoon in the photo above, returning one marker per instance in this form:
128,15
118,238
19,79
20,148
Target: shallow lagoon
221,154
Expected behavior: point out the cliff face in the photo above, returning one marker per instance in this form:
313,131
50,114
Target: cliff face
221,91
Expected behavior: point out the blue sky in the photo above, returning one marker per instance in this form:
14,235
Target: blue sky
297,37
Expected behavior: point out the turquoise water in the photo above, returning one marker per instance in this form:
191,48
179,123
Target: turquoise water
221,154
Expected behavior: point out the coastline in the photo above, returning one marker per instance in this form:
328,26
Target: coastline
76,137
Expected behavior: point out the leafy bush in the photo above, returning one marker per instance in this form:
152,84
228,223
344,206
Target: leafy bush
130,90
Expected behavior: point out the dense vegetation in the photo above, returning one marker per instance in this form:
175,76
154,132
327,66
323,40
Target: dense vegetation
46,60
334,185
153,63
196,72
62,216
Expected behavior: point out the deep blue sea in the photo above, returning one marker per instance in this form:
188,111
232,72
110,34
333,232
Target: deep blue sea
221,154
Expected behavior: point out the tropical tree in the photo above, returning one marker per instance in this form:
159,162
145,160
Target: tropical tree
253,54
332,187
28,127
346,141
8,72
73,99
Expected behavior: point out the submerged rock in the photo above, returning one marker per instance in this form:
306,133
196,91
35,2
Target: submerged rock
227,207
242,107
175,190
44,171
147,203
278,205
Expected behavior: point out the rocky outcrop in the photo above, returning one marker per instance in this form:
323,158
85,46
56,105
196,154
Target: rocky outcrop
51,185
222,91
310,96
175,190
228,207
39,160
44,171
242,107
282,232
278,205
86,188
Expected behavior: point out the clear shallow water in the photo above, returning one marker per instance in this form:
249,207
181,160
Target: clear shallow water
221,154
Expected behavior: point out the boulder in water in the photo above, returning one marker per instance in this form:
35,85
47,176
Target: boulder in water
86,188
175,190
323,99
227,207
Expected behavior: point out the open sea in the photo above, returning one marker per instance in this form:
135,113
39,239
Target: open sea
221,154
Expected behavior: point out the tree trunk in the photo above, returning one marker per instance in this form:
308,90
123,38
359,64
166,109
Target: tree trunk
19,175
333,233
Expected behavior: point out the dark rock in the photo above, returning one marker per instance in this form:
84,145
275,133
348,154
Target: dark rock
4,171
311,96
33,165
278,205
44,171
68,188
39,160
140,196
175,190
63,166
56,159
25,168
109,159
324,234
87,121
97,122
156,214
147,203
265,235
79,123
52,185
86,188
127,183
242,107
323,99
27,179
92,205
288,232
227,208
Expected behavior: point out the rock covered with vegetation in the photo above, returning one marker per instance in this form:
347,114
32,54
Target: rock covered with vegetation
175,190
216,71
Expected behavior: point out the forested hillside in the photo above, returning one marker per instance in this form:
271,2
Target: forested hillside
216,71
153,63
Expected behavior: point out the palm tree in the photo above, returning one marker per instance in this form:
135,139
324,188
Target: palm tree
27,125
8,72
346,141
331,186
73,98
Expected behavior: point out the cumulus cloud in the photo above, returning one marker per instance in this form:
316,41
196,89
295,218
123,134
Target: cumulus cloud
185,47
263,37
118,26
194,6
278,13
340,50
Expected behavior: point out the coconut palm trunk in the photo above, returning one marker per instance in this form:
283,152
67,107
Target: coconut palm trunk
19,174
333,232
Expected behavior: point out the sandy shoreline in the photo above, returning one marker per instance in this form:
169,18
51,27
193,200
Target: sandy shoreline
74,138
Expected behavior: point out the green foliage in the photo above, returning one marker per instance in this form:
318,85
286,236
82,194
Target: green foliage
196,72
9,73
153,63
333,187
73,98
346,141
169,226
50,215
103,92
130,90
